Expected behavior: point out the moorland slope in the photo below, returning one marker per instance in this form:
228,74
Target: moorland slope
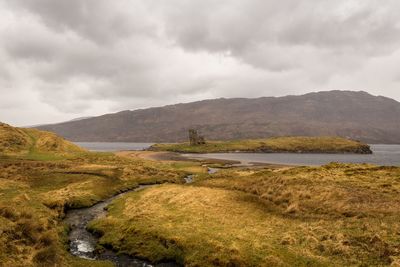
349,114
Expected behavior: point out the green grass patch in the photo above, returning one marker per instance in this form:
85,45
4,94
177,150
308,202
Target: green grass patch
271,145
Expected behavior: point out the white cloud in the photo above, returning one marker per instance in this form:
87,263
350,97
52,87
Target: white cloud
65,59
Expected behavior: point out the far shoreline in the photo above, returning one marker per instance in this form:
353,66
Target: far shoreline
176,157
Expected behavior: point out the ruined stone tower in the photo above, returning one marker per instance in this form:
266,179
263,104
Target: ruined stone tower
196,139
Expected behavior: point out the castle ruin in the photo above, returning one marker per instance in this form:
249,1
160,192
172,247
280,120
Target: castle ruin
196,139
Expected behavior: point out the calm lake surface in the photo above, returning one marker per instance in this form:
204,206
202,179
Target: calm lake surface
110,147
383,155
388,155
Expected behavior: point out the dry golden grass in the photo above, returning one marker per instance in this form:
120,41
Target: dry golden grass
149,155
31,235
50,142
41,174
44,188
335,189
336,215
199,226
13,140
33,143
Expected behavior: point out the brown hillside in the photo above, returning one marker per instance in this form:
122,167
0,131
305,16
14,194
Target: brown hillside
354,115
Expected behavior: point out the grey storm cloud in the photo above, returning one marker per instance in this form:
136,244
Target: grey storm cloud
65,59
98,20
256,31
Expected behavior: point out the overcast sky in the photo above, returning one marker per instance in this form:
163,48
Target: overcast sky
71,58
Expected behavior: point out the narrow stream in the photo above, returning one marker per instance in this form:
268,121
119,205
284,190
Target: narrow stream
83,243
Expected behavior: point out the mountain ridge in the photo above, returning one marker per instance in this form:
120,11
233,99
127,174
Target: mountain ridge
356,115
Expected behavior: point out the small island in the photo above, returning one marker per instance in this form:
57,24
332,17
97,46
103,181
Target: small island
298,144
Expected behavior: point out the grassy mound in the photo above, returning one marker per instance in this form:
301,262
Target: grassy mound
271,145
335,215
13,140
33,143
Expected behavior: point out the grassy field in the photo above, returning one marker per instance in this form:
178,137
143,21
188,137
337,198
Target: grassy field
41,175
35,193
335,215
270,145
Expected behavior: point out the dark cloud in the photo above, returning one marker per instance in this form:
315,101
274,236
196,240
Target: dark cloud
101,21
366,28
65,59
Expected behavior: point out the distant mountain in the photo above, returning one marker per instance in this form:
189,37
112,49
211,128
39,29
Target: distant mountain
41,125
355,115
80,118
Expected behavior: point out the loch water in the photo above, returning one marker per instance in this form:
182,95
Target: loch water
112,146
387,155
